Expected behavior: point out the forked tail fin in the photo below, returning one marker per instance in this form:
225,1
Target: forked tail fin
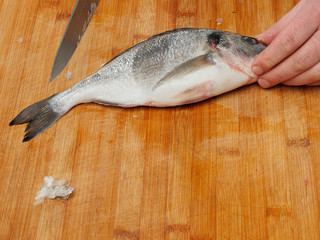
39,116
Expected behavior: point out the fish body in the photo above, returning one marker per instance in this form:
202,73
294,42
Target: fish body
173,68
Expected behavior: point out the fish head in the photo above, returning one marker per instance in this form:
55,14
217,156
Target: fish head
236,50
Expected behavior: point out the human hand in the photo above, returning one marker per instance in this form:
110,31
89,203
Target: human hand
293,53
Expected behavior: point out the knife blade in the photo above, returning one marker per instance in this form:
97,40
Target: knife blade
77,25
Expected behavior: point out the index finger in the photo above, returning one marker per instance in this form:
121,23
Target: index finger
268,36
289,40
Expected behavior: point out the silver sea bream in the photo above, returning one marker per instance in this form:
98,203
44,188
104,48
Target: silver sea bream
173,68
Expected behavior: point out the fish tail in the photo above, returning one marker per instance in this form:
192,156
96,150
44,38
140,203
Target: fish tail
39,116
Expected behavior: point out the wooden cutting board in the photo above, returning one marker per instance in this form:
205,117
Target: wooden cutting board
243,165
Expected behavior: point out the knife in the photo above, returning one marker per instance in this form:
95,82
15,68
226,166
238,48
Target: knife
77,25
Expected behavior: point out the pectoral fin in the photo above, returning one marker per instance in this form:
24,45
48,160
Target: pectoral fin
188,67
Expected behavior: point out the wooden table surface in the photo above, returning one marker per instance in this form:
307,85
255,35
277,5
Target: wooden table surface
243,165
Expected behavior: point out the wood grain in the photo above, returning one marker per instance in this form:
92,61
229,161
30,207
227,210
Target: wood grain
243,165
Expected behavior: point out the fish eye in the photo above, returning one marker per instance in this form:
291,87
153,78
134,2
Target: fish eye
250,40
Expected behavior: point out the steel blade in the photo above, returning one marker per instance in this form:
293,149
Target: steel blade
77,25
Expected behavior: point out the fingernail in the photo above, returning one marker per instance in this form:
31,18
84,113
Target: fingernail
263,83
257,70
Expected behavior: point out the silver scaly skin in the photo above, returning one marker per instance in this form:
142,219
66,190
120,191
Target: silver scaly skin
173,68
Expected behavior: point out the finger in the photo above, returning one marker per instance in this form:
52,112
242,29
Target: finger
306,78
303,59
287,41
314,84
268,36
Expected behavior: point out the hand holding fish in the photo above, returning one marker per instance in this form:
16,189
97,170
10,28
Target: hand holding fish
293,55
